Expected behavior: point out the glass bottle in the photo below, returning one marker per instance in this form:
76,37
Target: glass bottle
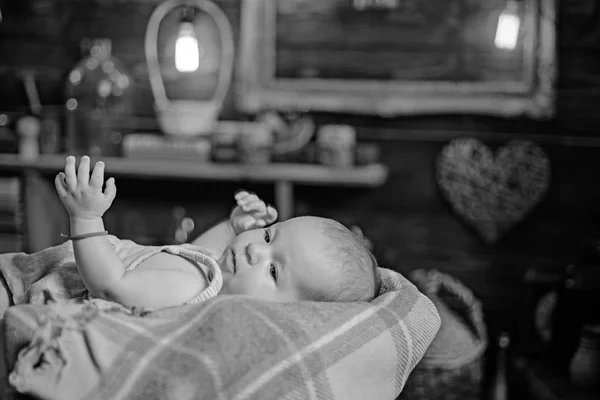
99,96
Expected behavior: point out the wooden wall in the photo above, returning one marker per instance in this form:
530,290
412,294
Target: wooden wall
411,225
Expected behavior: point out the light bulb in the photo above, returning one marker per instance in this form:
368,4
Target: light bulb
507,32
187,52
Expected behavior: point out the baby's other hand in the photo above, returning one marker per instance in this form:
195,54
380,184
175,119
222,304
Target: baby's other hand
250,213
81,195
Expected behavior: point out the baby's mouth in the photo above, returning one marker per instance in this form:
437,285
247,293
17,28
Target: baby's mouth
234,262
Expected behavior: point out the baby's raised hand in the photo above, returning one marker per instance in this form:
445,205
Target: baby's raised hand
81,195
251,213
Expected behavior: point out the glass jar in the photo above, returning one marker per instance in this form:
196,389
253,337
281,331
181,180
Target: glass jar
99,96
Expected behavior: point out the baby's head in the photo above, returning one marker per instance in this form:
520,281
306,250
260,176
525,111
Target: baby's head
304,258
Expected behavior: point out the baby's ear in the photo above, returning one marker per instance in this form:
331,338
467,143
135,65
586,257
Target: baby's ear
365,240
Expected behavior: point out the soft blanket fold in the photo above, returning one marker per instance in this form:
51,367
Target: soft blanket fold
229,347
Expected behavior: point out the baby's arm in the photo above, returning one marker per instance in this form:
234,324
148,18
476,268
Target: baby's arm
97,263
216,238
250,212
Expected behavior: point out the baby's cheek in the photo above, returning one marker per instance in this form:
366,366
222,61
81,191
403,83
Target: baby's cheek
228,287
232,285
249,286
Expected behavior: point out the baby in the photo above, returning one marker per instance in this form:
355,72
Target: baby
304,258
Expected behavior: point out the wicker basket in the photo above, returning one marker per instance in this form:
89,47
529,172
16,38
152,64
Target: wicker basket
452,367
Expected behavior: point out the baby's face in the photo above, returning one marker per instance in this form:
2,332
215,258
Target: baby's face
278,263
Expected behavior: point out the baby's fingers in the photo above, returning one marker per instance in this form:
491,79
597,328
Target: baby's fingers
247,198
241,195
256,207
83,173
70,174
97,178
260,223
111,189
271,214
61,186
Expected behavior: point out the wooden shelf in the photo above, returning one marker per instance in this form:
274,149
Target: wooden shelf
41,202
367,176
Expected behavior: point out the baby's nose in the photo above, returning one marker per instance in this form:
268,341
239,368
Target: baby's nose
255,252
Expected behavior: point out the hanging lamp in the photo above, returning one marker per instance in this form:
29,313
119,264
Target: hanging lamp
188,117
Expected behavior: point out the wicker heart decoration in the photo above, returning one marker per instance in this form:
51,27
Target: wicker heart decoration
492,193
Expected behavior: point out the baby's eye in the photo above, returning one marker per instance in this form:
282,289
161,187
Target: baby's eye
267,236
273,272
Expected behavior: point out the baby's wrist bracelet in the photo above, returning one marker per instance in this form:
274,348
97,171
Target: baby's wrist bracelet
85,235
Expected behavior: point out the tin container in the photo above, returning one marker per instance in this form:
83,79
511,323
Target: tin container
335,145
255,146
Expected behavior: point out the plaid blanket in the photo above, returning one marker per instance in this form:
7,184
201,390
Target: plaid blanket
230,347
